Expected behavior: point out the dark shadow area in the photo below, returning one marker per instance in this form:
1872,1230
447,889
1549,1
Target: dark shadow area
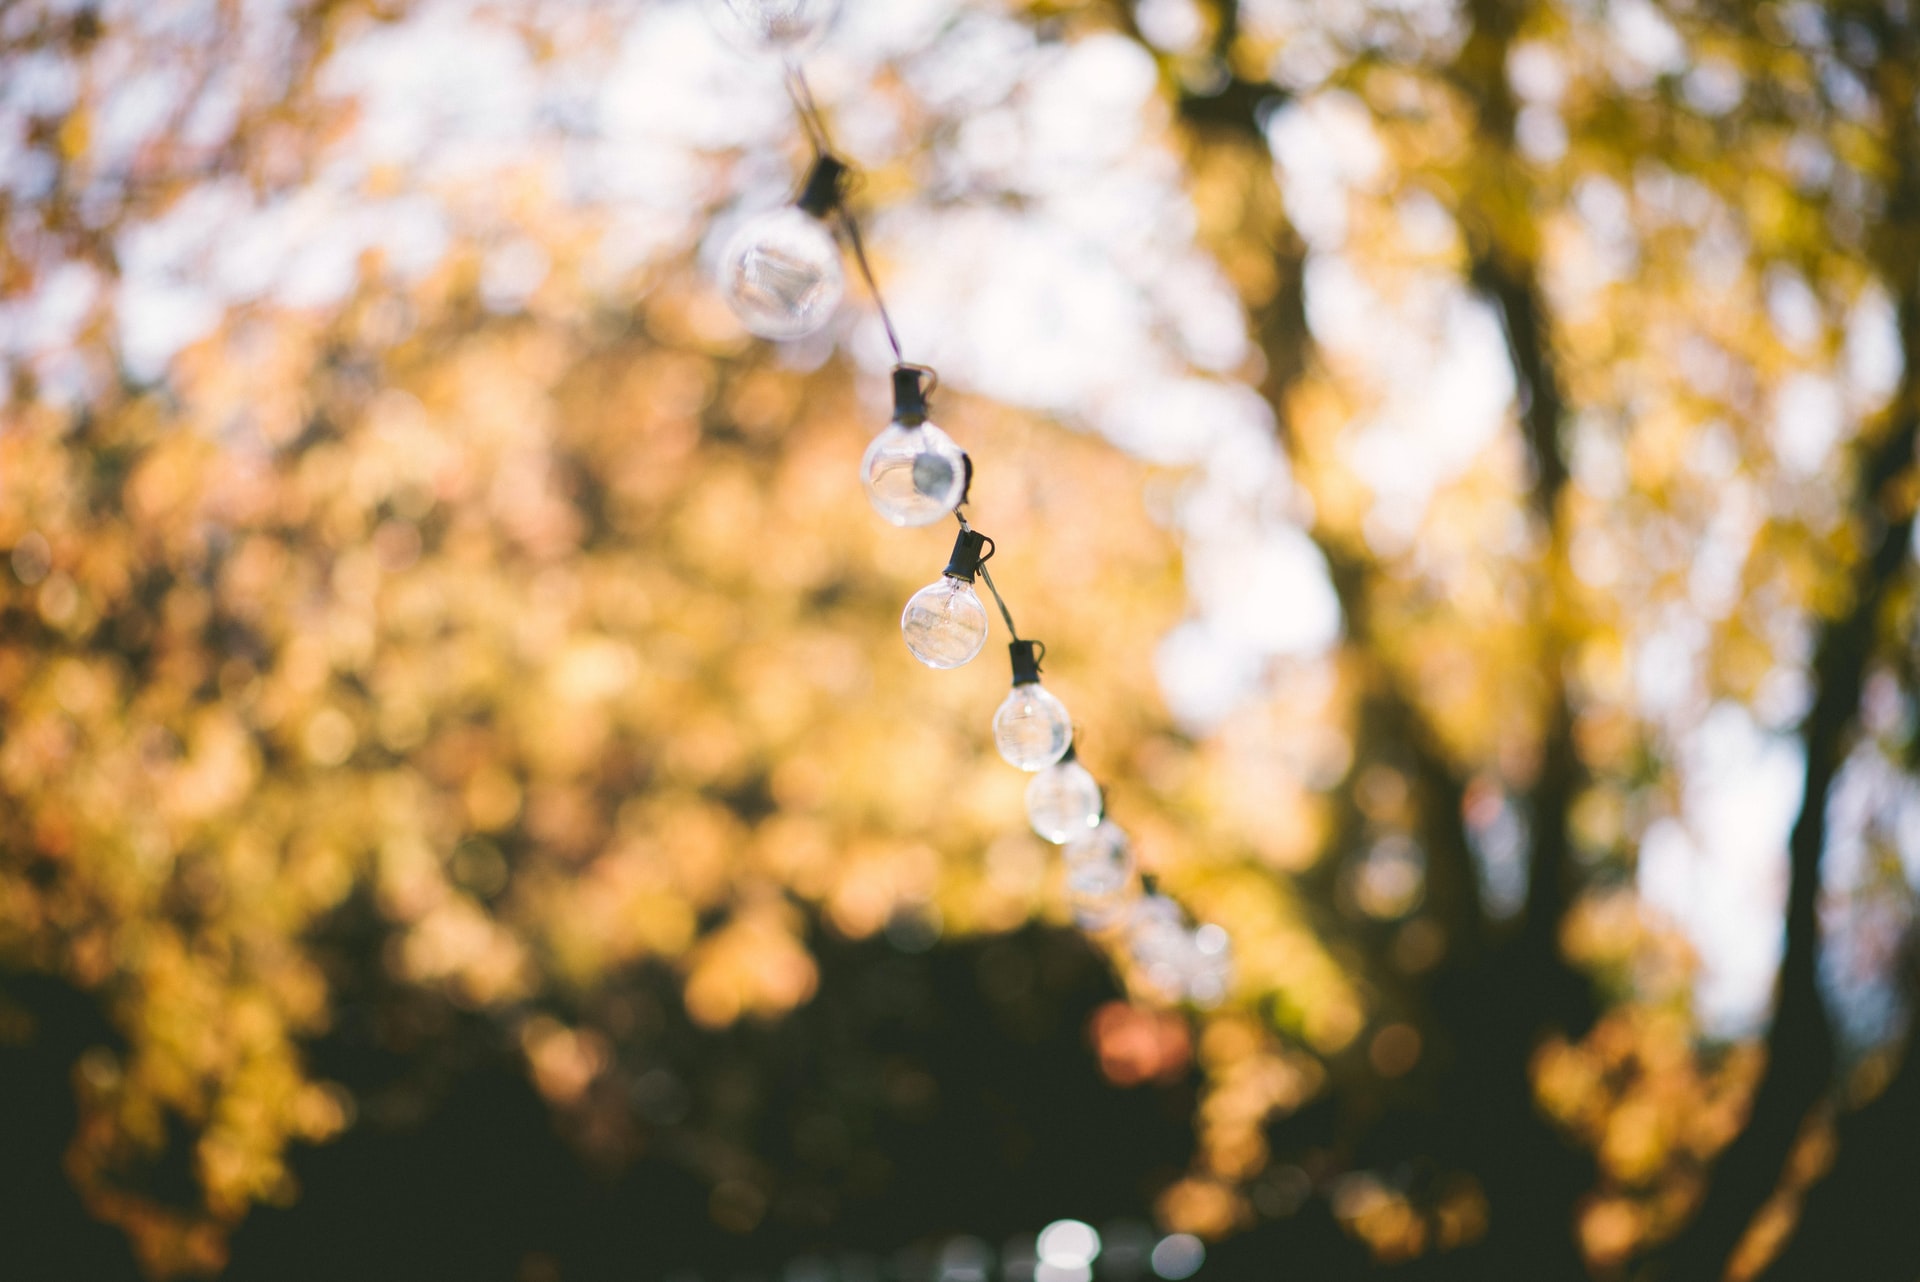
918,1096
45,1232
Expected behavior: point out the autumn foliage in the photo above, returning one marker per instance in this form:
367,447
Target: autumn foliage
421,595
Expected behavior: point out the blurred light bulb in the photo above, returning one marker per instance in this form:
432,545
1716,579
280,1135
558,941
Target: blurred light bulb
914,475
1031,727
1063,801
1067,1244
1100,878
1161,948
781,274
783,25
913,472
1211,974
944,623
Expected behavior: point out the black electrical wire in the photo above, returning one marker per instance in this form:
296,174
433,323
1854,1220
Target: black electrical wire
807,108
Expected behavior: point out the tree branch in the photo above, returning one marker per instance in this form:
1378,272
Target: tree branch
1506,273
1800,1051
1800,1042
1279,322
1862,1212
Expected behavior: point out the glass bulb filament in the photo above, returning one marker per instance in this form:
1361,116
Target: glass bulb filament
1032,728
781,274
914,475
945,623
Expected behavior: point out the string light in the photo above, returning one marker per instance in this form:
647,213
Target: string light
1173,960
1211,976
782,275
944,623
913,472
1031,727
1100,881
784,26
1063,801
1158,941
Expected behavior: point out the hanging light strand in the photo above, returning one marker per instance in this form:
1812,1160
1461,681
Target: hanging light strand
987,577
807,108
913,474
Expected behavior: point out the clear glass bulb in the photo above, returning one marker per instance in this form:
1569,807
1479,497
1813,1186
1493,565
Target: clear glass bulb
944,623
1211,975
781,274
914,475
1031,727
1160,945
780,25
1063,802
1100,878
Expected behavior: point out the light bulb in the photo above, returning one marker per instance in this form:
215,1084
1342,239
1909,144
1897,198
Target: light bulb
781,274
944,623
914,475
913,472
784,25
1161,947
1211,974
1063,801
1031,727
1099,876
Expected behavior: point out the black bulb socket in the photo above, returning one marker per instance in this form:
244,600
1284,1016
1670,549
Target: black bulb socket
1026,662
826,183
909,396
965,561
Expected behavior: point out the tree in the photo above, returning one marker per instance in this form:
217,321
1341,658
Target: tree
419,645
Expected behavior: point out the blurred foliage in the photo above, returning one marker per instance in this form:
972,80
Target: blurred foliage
540,634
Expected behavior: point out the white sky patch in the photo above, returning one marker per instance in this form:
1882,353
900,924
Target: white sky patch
1181,421
676,83
133,113
1325,146
871,32
1441,369
441,92
1794,309
156,319
1713,582
49,315
975,64
1203,674
1719,869
1267,592
1537,72
1083,107
1873,361
1018,309
1666,666
1172,25
1645,45
1808,416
